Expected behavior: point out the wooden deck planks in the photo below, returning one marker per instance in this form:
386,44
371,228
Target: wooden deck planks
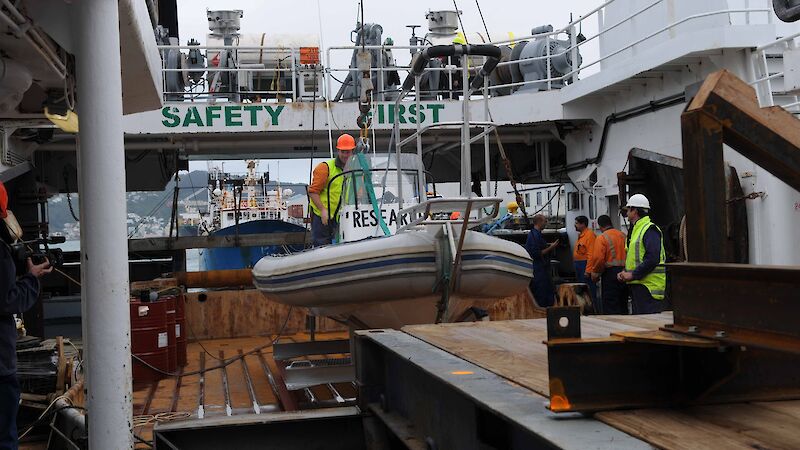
734,426
514,350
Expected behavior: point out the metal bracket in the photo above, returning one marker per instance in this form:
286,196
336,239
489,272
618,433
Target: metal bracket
660,368
563,322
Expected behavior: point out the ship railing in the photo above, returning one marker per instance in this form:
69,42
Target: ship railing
589,46
583,53
772,87
198,81
585,48
439,211
383,91
253,202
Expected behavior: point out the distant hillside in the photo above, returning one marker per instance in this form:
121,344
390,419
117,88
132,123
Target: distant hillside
148,212
152,209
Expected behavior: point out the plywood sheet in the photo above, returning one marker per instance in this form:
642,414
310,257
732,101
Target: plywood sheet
771,425
514,350
242,313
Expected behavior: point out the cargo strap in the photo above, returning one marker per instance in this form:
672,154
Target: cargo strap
367,175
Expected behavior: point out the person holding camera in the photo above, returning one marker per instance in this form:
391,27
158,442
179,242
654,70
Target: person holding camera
17,295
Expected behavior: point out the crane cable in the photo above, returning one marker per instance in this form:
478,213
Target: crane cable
477,2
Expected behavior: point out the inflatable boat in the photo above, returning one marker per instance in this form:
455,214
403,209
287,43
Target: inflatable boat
396,280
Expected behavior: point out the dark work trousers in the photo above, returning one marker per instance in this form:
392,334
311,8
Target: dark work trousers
542,285
322,234
580,275
642,302
614,293
9,404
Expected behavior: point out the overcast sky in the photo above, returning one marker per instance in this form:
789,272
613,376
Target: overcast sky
334,19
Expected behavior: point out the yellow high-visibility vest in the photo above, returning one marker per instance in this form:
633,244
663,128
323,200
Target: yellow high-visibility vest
333,188
655,281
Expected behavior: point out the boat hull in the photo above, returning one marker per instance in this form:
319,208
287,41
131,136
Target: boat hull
226,258
394,281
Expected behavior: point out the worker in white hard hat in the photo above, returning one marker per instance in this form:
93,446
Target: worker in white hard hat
644,263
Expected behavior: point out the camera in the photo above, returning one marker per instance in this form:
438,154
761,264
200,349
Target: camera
37,250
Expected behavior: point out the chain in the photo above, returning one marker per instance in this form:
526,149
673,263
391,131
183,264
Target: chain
69,198
750,196
71,211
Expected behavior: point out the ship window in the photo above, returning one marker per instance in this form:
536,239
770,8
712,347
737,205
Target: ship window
263,215
230,216
527,200
538,199
592,206
279,215
574,201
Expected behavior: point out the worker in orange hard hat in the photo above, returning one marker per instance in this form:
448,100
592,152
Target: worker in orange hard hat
325,191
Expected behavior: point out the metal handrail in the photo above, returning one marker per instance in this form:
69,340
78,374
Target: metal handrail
423,211
570,28
445,125
353,171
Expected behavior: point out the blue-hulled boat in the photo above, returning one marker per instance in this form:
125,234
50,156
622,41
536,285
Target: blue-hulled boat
246,205
223,258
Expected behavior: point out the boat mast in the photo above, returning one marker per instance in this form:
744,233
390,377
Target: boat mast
104,250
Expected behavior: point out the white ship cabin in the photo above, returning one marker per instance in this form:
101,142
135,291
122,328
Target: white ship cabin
573,105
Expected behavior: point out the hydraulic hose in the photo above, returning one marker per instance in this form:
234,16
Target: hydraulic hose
422,58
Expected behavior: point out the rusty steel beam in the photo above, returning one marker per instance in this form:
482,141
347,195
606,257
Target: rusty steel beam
661,368
737,303
214,278
726,110
704,187
767,136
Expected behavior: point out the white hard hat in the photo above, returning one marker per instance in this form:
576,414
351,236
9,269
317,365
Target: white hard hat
638,201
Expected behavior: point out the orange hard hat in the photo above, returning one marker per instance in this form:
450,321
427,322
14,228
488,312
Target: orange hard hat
455,215
3,200
345,142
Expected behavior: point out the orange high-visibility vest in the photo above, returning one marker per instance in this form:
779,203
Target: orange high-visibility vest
608,251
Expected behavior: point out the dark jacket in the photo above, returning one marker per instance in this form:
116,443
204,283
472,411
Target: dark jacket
17,295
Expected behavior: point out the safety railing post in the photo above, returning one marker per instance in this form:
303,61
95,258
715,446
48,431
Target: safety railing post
573,42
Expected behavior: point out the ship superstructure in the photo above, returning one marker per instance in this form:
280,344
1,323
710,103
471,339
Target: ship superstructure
237,198
592,106
246,204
